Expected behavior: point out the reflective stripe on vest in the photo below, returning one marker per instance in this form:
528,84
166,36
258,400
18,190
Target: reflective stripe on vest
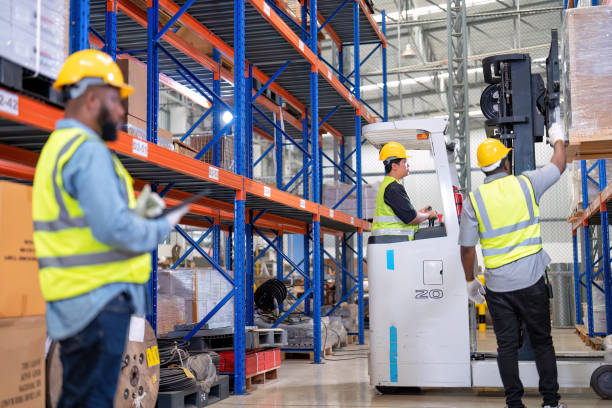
71,260
385,221
508,218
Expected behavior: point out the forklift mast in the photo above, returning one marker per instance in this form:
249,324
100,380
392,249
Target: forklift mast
518,106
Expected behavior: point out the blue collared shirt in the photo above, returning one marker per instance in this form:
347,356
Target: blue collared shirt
89,176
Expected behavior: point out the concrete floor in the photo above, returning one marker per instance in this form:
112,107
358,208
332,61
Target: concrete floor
343,382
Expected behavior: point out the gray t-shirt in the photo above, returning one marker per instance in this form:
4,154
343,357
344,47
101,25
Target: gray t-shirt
523,272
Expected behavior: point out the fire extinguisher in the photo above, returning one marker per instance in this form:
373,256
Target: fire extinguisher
458,200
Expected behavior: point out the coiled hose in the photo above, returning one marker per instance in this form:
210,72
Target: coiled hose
270,294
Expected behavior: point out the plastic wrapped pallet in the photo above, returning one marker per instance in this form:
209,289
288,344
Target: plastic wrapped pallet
211,287
35,34
170,312
587,74
333,193
179,283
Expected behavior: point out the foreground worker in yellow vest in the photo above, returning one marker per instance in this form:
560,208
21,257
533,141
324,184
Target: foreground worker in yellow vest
91,236
504,214
394,214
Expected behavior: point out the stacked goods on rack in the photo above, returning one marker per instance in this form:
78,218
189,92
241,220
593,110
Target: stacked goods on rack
22,307
333,193
35,34
576,185
199,290
135,73
587,81
196,142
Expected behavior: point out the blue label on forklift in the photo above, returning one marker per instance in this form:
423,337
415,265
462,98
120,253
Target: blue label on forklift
390,260
392,354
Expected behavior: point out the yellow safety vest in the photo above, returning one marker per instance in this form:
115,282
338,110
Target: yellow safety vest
508,220
71,260
385,220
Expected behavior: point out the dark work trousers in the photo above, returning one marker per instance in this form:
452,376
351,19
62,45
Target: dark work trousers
532,307
91,359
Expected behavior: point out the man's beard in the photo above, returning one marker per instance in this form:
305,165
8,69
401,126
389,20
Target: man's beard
108,127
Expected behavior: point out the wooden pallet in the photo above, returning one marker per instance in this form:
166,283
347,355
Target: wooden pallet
595,144
261,378
304,355
594,342
576,216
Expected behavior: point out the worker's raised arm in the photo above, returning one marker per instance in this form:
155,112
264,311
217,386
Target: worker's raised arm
556,138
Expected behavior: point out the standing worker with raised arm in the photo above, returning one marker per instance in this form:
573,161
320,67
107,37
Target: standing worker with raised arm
394,214
91,236
504,214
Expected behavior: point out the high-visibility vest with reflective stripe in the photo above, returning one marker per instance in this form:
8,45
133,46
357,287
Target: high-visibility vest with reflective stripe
385,220
71,260
508,220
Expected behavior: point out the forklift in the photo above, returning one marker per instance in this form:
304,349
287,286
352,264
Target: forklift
422,328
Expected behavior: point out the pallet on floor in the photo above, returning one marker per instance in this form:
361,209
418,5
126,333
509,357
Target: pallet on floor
304,354
261,378
594,342
195,397
223,338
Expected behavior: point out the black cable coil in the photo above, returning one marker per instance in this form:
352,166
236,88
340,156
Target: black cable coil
270,294
174,379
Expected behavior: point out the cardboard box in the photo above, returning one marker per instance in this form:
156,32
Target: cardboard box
135,74
20,293
22,352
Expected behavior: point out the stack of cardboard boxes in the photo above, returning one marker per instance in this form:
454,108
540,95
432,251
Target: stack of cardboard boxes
135,74
22,307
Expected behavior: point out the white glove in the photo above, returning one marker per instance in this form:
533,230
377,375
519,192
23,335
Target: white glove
149,204
174,216
476,291
555,133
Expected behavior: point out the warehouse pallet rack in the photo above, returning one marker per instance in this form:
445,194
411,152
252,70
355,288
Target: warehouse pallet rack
235,203
594,214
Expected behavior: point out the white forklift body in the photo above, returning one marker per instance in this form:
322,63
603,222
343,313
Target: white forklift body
419,314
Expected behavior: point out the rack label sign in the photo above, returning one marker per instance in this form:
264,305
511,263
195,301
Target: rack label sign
9,102
329,75
213,173
302,203
140,147
331,213
352,220
267,192
266,9
301,45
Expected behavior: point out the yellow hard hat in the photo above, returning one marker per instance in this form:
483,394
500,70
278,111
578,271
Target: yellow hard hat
491,151
393,150
92,64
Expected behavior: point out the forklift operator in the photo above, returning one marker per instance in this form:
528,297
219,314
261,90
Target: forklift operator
394,213
504,214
